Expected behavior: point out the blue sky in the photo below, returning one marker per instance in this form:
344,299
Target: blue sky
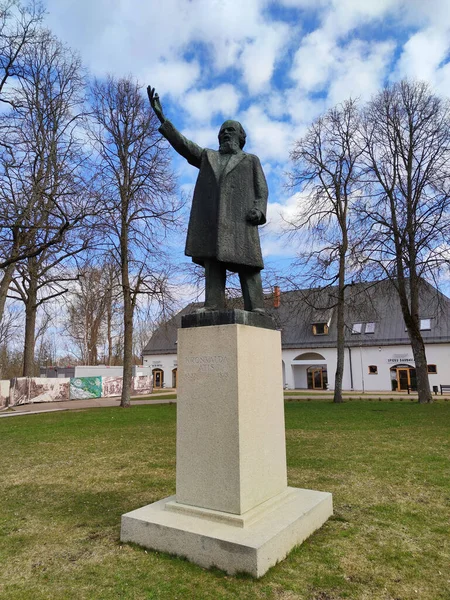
273,65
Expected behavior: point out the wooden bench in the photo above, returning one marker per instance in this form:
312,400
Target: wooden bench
445,388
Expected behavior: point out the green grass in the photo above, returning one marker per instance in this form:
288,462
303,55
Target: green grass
295,395
67,477
155,397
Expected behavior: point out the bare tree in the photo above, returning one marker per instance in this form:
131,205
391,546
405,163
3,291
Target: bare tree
326,170
10,328
42,189
86,311
46,353
45,196
40,279
19,29
90,307
405,213
137,188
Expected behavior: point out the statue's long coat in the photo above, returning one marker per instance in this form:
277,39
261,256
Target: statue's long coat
217,226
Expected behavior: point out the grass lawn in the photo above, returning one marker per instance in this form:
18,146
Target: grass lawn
67,477
155,397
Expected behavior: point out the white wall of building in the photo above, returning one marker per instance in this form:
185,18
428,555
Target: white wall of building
383,357
165,362
386,357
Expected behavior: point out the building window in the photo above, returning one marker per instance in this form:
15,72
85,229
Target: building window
432,369
425,324
370,328
320,329
373,370
356,327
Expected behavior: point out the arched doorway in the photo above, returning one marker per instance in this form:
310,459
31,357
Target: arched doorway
158,378
310,371
174,377
403,377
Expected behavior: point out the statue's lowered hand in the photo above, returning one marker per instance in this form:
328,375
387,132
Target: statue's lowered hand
155,103
254,216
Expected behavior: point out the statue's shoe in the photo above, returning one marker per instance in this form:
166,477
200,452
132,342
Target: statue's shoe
205,309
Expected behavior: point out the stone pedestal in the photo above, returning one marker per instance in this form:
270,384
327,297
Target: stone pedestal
233,508
231,453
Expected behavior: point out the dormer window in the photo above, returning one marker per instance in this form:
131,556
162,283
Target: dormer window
320,329
425,324
356,328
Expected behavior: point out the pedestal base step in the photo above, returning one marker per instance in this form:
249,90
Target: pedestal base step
251,549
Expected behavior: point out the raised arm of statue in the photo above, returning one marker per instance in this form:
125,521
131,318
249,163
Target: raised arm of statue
189,150
155,103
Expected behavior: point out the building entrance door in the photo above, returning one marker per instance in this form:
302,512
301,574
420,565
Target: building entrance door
174,377
403,379
406,378
317,378
158,378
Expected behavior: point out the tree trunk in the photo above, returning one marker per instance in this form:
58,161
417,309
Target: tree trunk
127,351
127,320
93,335
340,349
30,331
4,287
420,360
412,322
109,334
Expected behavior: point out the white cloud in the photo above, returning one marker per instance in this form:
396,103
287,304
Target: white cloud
267,138
260,55
423,53
442,80
172,77
309,4
345,15
145,37
279,215
418,13
313,61
360,70
354,69
273,247
275,237
205,137
227,26
202,105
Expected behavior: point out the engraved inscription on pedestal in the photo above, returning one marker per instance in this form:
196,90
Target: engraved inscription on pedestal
205,364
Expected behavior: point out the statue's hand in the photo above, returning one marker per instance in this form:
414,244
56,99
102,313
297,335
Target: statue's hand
254,216
155,103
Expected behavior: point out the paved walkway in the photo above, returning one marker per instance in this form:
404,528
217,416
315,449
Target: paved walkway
33,409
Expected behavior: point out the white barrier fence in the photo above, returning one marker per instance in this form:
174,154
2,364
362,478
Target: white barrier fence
25,390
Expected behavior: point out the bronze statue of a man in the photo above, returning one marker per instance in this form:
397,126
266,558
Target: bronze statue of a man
230,201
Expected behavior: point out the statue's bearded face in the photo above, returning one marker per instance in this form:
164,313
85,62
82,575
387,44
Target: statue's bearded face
229,137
